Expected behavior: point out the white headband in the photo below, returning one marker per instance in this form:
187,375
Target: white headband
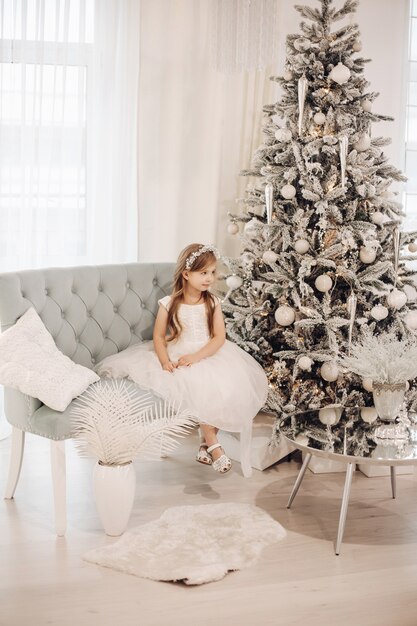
190,260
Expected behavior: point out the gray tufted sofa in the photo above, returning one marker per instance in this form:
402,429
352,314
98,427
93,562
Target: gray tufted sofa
91,312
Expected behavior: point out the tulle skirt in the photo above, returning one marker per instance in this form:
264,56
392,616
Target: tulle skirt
225,390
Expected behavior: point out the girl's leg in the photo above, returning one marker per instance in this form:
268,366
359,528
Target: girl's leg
210,437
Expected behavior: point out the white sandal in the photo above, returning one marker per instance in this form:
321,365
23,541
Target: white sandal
203,456
223,464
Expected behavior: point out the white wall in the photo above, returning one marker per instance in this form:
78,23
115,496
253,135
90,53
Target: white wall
197,128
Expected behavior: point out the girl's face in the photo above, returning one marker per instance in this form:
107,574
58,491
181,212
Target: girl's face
202,279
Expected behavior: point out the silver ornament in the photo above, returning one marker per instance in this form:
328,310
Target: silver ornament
269,201
343,151
397,238
351,303
302,92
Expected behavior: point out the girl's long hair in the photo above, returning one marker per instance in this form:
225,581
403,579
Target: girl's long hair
201,262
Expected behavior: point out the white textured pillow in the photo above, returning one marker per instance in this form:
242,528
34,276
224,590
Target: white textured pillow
31,363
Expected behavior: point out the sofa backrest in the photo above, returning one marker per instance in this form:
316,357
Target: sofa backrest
93,311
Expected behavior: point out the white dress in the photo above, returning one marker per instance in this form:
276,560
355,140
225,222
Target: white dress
225,390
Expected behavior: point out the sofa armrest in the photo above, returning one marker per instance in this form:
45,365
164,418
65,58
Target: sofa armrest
18,407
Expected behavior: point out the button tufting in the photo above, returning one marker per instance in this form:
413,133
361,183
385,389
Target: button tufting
128,285
93,360
155,281
115,309
100,288
143,305
72,289
62,314
46,291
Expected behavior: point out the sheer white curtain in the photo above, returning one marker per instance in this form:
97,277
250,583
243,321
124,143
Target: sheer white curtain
197,129
68,127
68,116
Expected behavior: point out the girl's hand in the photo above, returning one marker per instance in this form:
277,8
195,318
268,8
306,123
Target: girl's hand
187,360
169,366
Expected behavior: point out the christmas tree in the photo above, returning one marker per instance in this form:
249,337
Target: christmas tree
320,264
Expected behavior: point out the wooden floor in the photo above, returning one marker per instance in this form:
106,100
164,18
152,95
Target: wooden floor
43,579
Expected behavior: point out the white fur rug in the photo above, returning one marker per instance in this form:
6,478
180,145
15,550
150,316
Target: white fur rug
193,544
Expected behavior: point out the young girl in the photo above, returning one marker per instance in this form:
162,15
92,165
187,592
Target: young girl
191,363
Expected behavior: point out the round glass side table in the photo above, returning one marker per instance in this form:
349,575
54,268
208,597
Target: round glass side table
333,446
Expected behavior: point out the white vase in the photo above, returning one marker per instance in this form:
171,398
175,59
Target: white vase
114,493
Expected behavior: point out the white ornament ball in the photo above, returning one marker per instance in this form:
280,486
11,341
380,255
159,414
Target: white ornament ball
379,312
366,105
287,75
288,192
253,228
410,292
330,415
363,143
234,282
301,246
378,218
396,299
284,315
232,228
369,414
319,118
367,255
283,134
411,320
340,74
357,46
302,45
368,384
323,283
269,257
329,371
305,363
412,247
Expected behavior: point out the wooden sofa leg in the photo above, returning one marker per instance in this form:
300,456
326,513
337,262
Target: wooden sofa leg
59,486
16,458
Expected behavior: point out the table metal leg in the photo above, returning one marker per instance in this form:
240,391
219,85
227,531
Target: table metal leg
299,478
344,507
393,481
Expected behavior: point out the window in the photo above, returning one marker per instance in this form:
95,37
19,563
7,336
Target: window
45,54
